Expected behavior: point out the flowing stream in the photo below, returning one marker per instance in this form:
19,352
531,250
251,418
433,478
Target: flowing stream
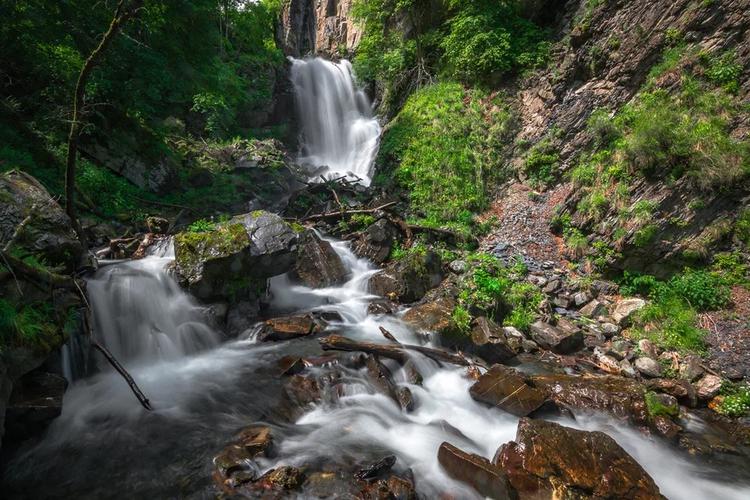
339,133
204,390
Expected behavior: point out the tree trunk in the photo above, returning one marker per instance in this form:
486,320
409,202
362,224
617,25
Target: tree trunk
122,15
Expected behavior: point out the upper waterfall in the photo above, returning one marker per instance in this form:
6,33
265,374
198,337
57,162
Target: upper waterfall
338,130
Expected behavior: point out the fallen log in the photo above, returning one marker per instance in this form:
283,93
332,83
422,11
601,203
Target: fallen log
342,213
389,335
397,352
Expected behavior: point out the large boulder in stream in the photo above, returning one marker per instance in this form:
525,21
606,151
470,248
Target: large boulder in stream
548,460
486,478
236,258
317,264
409,279
505,388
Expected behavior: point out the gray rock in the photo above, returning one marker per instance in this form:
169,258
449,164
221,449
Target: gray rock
317,264
458,266
625,308
627,369
376,241
409,279
488,341
610,329
648,367
648,348
690,367
581,298
593,309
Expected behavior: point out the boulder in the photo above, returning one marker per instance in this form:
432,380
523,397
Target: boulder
488,341
409,279
486,478
625,308
690,367
289,327
48,232
708,387
508,390
376,241
648,348
157,225
432,317
680,389
648,367
556,339
620,397
36,400
550,460
317,264
234,465
236,258
594,309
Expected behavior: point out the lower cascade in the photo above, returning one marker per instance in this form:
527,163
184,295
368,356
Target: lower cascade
204,392
338,132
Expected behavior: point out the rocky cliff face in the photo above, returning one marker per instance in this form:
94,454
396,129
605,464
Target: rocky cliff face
317,27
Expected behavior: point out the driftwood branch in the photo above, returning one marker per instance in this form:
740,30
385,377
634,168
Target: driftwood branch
399,352
122,371
389,335
342,213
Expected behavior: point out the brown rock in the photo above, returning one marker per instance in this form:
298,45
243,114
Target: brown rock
620,397
507,389
708,386
290,365
489,342
486,478
666,427
434,317
555,339
625,308
547,459
288,327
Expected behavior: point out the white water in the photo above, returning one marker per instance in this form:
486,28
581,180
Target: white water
338,130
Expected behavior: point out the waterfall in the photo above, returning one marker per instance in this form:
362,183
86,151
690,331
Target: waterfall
142,315
339,135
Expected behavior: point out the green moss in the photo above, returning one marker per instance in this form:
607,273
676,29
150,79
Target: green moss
32,325
657,409
461,319
541,164
191,248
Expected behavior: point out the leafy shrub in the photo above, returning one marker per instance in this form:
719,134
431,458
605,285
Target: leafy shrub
541,163
735,400
671,323
202,226
724,70
703,290
461,319
645,235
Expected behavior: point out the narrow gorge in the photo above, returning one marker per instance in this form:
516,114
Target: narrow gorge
375,249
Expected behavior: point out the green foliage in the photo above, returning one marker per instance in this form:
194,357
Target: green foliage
645,235
541,163
671,323
461,319
742,227
439,146
656,408
31,325
524,300
576,241
724,70
202,226
735,400
486,39
731,267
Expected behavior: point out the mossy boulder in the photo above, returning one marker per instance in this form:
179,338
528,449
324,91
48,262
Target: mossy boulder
410,278
48,232
234,260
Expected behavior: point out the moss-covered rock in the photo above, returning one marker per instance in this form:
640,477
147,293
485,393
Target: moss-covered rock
234,259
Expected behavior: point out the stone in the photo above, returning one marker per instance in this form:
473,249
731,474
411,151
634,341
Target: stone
690,367
620,349
680,389
432,317
458,266
285,478
289,327
317,264
581,298
157,225
607,363
627,369
36,400
48,233
485,477
648,349
594,309
708,386
506,388
290,365
298,393
408,279
236,258
666,427
548,460
556,339
489,342
375,242
620,397
648,367
625,308
610,329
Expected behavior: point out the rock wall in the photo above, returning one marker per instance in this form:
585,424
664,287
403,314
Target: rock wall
317,27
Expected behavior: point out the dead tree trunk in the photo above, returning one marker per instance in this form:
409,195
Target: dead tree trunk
122,15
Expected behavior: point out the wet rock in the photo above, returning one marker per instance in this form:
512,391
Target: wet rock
284,478
405,398
234,260
648,367
556,339
289,327
486,478
620,397
594,309
376,241
317,264
381,306
382,378
607,363
299,392
290,365
666,427
690,367
409,279
373,471
256,440
48,232
625,308
708,387
680,389
549,460
434,317
36,400
507,389
392,488
234,465
489,342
